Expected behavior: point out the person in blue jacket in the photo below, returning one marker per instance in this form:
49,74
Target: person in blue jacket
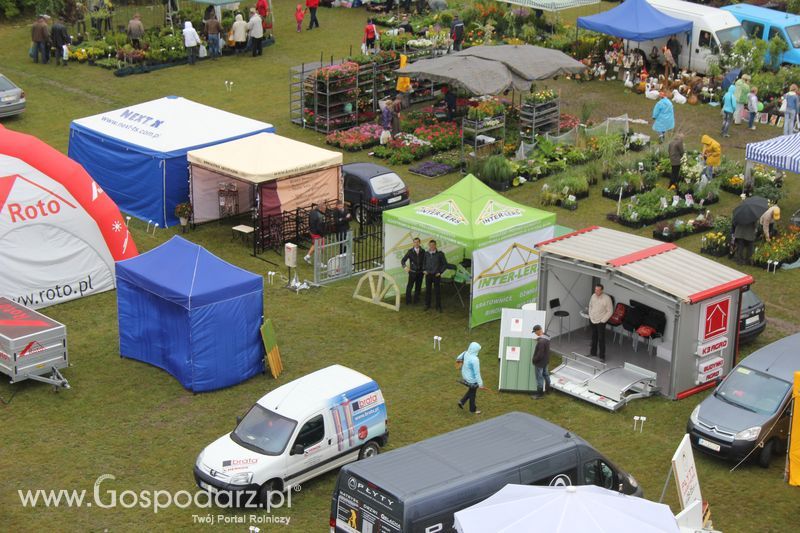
728,109
663,116
471,376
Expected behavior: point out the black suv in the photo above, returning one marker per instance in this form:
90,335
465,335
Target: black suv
753,319
372,188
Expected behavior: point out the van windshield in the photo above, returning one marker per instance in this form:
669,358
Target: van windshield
794,35
753,390
263,431
730,35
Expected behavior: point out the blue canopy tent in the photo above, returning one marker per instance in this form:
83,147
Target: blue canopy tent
781,153
635,20
190,313
137,154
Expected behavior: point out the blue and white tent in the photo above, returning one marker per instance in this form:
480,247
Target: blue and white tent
183,309
782,153
137,154
635,20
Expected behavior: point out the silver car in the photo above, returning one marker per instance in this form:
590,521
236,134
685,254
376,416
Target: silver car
12,98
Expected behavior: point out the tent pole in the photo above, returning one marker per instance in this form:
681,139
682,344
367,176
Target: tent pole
689,44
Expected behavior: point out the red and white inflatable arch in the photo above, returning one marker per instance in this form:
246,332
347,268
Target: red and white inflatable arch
60,233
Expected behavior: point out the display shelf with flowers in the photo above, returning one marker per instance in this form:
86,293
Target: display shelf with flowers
780,250
540,112
356,138
670,231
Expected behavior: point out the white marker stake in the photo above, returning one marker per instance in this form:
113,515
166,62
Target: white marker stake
635,422
641,427
154,229
127,221
148,226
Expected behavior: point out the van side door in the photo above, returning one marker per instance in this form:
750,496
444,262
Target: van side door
773,31
311,449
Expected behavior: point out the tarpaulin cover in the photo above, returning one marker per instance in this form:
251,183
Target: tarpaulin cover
635,20
138,153
183,309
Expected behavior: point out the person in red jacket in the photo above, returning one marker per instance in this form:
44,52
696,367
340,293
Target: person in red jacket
299,15
312,6
370,34
262,8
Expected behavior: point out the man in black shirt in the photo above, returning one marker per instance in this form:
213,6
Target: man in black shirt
414,257
341,219
316,227
433,264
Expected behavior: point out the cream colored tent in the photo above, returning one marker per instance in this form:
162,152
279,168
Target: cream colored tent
266,173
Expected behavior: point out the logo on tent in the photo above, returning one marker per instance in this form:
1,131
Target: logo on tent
495,212
447,211
96,191
517,262
29,209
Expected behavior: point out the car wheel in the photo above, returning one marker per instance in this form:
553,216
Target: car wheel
359,214
268,494
370,449
765,456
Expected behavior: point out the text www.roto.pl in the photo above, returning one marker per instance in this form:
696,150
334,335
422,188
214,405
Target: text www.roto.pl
51,294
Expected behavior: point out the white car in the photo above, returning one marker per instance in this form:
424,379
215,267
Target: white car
298,431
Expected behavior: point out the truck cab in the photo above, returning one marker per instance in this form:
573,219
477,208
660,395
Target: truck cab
763,23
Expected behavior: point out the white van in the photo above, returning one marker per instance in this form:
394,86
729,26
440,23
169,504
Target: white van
711,28
300,430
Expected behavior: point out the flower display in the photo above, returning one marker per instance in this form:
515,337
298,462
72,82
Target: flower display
542,96
441,136
356,138
431,169
784,248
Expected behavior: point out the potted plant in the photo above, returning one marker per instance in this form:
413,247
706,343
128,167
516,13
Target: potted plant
184,212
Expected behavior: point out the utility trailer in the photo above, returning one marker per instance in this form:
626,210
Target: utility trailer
32,346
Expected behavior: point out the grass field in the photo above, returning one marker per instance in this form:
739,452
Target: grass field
137,423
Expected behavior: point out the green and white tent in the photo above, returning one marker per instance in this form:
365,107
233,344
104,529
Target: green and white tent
471,221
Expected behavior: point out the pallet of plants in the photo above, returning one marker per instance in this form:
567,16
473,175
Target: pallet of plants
403,149
442,136
628,183
638,142
763,177
717,242
672,230
431,169
495,171
654,206
356,138
565,192
780,250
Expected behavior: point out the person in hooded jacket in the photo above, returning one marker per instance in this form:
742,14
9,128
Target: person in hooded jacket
191,40
471,376
728,109
712,153
663,116
239,31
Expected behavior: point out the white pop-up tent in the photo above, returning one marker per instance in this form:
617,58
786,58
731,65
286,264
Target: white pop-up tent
138,153
276,174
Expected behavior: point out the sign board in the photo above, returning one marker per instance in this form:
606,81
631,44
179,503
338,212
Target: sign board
715,317
708,365
516,346
712,347
271,346
685,474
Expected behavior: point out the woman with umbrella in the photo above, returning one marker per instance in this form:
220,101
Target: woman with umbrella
744,221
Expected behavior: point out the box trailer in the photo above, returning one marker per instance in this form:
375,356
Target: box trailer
32,346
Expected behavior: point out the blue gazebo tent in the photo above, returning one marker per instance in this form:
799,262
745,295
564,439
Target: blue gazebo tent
185,310
635,20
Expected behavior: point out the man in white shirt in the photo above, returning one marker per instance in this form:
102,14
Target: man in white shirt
600,310
256,32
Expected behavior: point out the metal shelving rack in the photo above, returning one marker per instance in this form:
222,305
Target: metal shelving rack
472,129
539,118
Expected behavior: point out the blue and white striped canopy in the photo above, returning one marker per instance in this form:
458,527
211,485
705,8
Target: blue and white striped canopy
552,5
781,152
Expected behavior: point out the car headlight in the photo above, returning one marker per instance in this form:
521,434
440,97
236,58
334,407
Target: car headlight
199,461
242,478
748,434
694,417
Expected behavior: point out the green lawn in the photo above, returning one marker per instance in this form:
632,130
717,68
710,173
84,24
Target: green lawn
136,422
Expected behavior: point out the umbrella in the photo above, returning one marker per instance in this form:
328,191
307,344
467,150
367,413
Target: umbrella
525,508
749,211
475,75
730,78
527,61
